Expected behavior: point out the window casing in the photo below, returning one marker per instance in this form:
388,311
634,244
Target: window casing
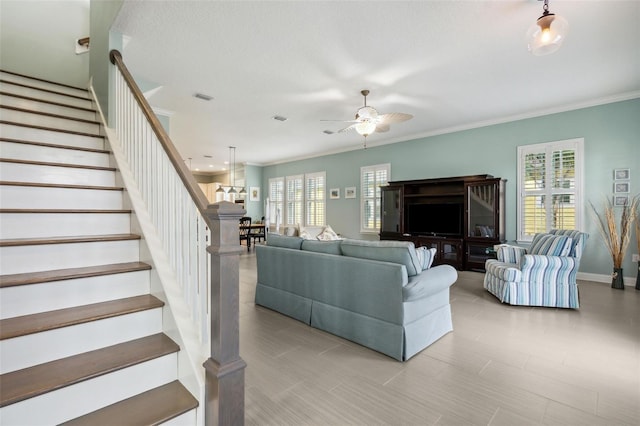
371,179
550,187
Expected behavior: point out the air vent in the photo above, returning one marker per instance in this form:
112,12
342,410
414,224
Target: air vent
203,96
279,118
208,156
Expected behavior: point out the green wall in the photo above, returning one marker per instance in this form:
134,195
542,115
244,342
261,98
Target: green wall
611,135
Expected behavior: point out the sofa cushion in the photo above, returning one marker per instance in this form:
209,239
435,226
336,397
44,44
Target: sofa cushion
277,240
402,252
328,247
425,256
551,245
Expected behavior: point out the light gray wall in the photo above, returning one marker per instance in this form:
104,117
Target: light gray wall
103,12
612,140
46,49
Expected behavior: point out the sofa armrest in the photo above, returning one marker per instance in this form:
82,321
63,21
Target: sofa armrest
429,282
561,268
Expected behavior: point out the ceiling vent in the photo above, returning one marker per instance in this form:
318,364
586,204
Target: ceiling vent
203,97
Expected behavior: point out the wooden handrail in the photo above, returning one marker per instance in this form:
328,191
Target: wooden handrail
185,175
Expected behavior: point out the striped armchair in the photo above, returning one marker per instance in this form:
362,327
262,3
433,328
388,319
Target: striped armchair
543,275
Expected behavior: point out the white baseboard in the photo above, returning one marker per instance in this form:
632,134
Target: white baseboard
599,278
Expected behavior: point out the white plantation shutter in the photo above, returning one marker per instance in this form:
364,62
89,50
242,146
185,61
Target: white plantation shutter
315,190
276,195
549,187
371,179
294,200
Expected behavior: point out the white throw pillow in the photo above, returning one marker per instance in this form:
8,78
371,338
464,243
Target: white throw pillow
328,234
303,233
425,256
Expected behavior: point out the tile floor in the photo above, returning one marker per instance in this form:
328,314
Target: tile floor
502,365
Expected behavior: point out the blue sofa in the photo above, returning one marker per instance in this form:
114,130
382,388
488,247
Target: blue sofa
374,293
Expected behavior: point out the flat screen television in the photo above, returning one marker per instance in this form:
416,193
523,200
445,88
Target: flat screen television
434,219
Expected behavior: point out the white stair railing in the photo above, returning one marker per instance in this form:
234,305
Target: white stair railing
193,246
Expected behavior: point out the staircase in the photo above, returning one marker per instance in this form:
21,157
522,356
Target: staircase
81,337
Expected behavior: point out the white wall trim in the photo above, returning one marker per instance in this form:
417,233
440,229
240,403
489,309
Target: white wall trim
606,279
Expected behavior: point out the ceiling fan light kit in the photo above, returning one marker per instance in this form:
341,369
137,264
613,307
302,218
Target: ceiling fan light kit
548,33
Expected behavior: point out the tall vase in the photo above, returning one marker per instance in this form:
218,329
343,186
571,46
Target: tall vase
617,281
638,278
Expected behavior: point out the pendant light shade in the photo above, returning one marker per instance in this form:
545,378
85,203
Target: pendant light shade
548,33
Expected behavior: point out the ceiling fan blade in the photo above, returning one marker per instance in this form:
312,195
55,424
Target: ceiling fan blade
348,128
394,117
343,121
382,127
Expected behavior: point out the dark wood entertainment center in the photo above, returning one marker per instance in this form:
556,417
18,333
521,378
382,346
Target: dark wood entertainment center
461,217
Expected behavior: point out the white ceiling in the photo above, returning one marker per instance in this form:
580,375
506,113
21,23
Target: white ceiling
452,64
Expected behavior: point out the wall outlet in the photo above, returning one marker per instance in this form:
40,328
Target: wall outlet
634,257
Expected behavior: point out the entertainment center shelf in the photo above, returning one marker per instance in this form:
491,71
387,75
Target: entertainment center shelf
461,217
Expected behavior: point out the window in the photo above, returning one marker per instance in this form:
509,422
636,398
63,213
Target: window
294,199
315,198
549,187
371,179
276,195
298,199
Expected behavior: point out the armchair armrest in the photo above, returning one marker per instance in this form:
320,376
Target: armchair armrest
557,269
510,254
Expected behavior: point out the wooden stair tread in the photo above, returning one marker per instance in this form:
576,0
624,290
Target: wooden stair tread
70,273
44,321
153,407
63,211
47,90
44,101
44,80
53,145
66,240
49,114
39,379
60,185
51,129
47,163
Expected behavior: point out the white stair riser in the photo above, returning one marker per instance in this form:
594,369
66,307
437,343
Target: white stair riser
17,172
49,225
20,259
21,151
18,353
35,197
46,96
50,296
188,418
82,398
34,105
48,121
43,84
50,136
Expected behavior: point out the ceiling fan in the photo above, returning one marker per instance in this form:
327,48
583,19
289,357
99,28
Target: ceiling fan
368,120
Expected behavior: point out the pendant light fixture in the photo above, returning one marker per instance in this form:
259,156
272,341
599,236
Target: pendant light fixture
232,182
548,33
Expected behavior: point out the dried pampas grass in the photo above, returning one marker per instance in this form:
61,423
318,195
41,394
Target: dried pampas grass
617,239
